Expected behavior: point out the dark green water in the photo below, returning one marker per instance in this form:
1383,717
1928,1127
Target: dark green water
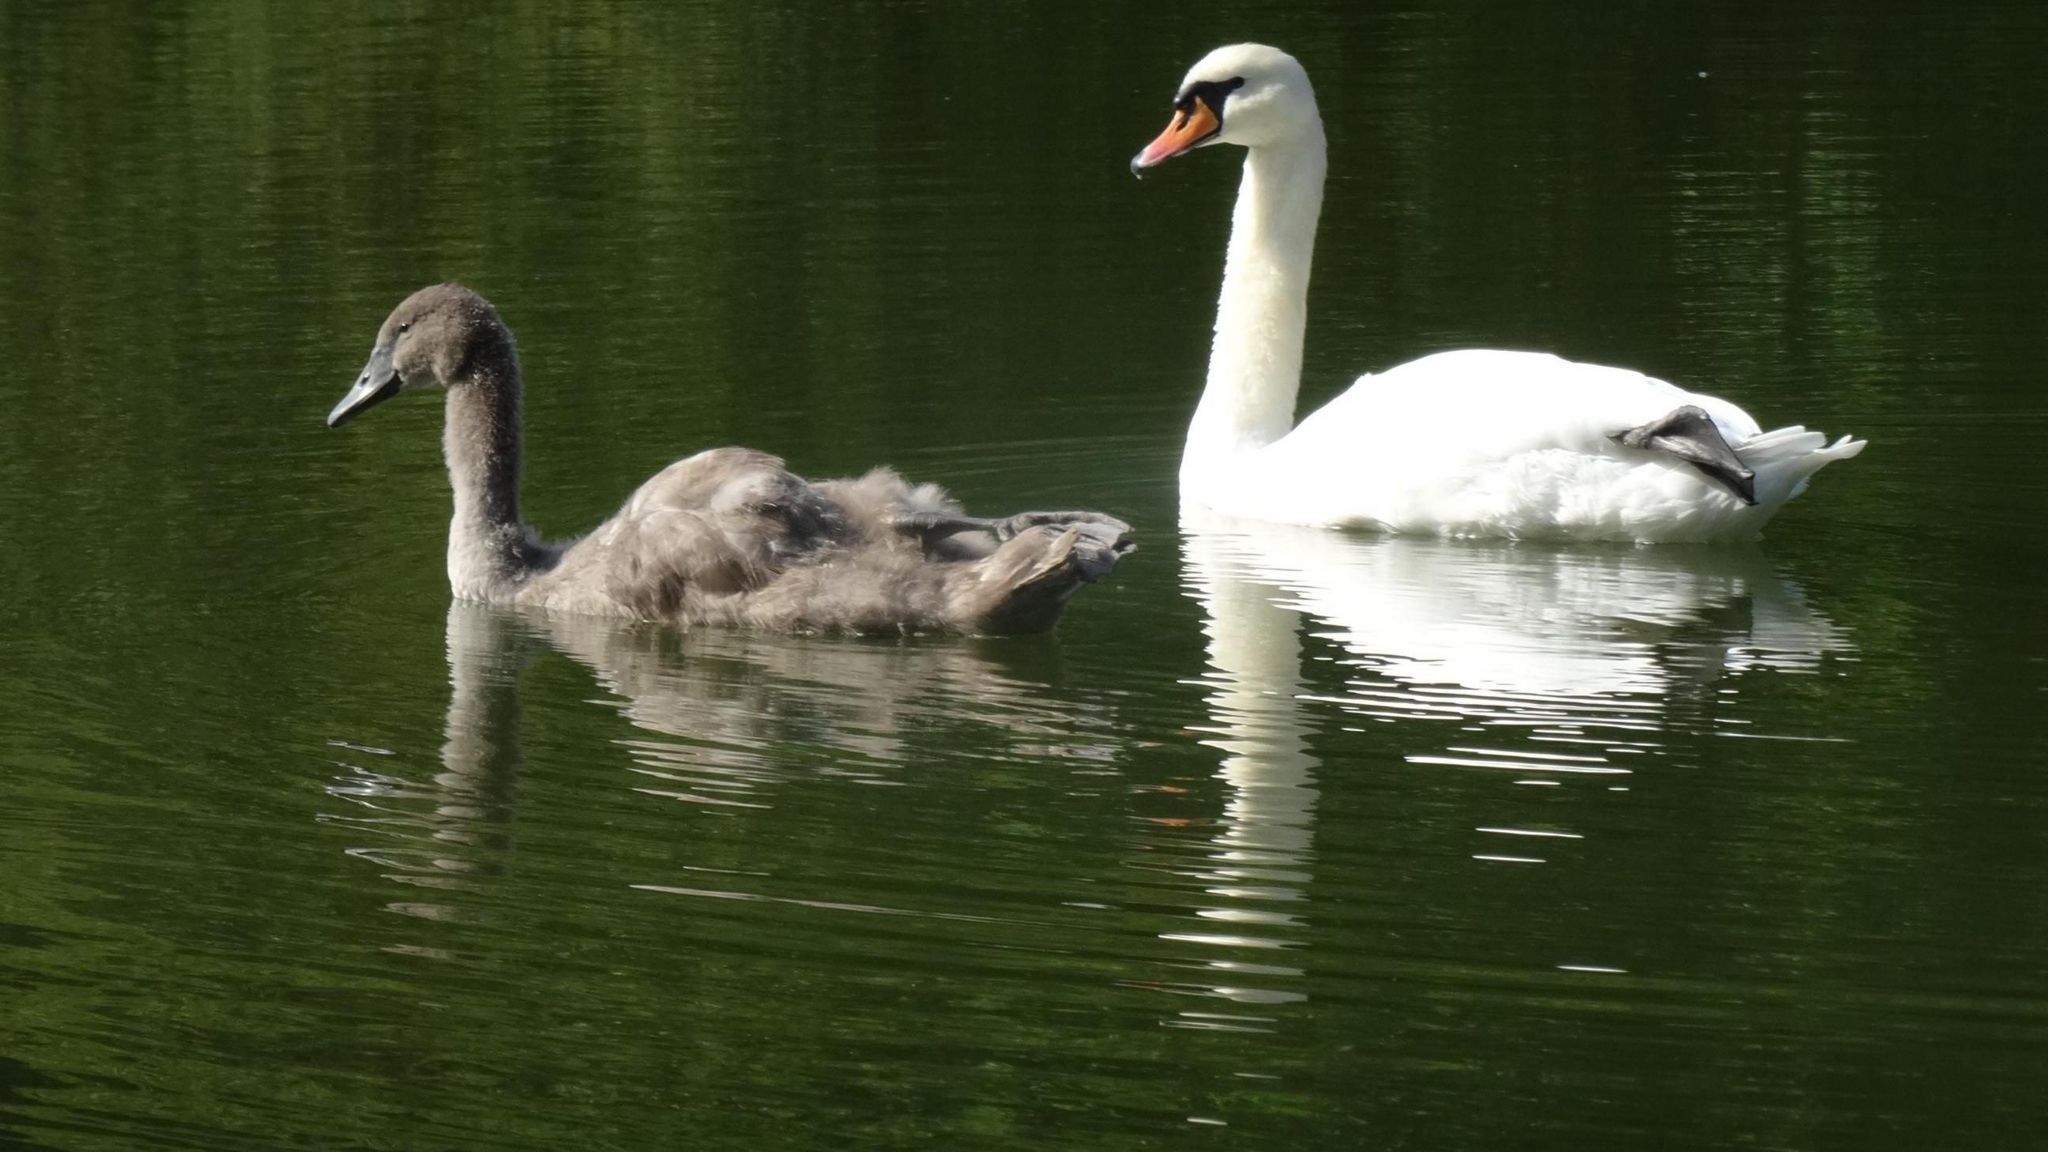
1285,840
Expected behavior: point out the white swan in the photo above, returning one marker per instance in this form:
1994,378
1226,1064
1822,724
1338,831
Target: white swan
1467,443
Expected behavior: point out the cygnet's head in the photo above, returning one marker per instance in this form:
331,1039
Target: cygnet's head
1246,94
434,339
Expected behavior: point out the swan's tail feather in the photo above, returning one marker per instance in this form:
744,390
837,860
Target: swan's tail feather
1025,585
1784,459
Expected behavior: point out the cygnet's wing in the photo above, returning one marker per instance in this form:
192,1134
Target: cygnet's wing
720,522
1025,585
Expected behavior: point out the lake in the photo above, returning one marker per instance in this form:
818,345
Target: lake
1285,839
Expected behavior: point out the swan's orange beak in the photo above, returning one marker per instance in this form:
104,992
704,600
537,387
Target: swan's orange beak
1190,126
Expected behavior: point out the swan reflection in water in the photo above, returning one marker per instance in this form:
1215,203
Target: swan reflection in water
719,720
1545,665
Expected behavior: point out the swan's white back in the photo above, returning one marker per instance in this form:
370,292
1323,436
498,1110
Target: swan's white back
1468,443
1491,443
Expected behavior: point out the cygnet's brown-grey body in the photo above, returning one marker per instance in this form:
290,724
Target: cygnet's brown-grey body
727,536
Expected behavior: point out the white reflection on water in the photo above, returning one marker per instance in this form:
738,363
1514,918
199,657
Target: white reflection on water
1551,667
1595,651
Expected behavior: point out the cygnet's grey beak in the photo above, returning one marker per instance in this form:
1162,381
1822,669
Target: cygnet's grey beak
378,383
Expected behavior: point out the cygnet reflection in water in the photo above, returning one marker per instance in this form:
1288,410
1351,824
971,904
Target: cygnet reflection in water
729,712
720,719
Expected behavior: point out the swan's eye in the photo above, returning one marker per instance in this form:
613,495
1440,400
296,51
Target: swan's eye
1210,92
405,327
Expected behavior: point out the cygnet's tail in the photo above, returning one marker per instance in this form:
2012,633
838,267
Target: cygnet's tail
1026,584
1785,458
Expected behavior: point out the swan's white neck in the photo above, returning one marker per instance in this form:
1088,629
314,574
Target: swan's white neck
1255,363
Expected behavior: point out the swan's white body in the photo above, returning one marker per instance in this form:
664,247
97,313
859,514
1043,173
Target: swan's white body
1468,443
1489,443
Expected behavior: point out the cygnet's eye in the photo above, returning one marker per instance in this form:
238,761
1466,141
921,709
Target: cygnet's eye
404,327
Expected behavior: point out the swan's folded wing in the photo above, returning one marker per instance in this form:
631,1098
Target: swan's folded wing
1475,406
1480,439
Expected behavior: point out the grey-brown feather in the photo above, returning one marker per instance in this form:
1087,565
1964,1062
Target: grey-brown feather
730,536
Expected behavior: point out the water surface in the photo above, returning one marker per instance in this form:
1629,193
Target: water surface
1286,839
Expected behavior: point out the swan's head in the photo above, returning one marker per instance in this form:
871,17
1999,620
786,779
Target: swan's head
434,339
1246,94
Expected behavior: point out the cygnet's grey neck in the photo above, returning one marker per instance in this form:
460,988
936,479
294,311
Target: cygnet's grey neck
490,549
1255,362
